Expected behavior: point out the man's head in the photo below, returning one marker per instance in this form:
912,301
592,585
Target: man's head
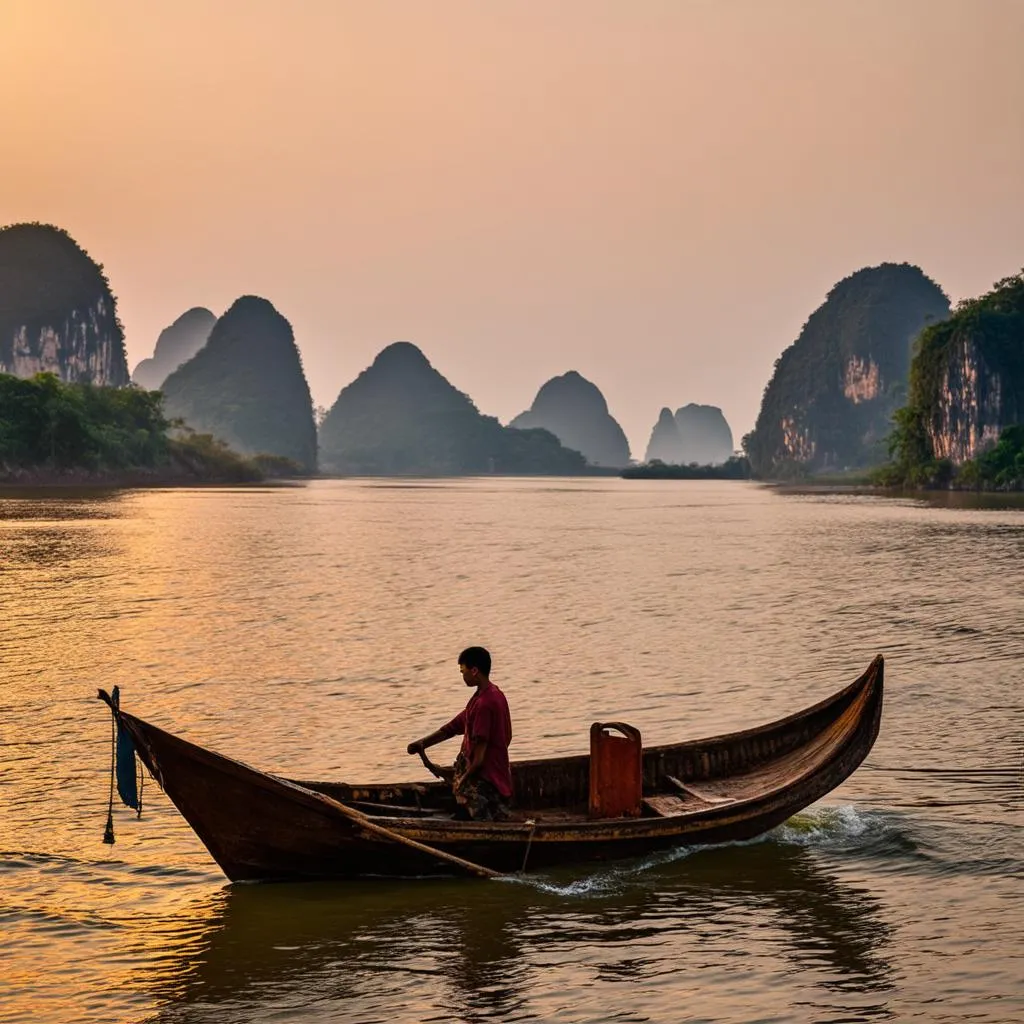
475,665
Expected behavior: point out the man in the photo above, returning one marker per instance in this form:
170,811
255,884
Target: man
482,779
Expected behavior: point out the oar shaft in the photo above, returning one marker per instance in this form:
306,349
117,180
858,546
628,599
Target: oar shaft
366,823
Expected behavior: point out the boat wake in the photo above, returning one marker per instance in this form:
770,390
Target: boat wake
843,829
826,827
606,881
848,830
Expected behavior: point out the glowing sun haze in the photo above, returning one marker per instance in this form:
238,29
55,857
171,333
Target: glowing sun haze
656,194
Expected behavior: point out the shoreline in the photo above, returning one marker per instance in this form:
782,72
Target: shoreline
82,481
89,480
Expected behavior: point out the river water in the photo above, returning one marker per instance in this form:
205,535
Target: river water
313,630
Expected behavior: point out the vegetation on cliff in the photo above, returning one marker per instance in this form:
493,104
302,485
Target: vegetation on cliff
400,416
57,311
831,397
575,411
999,468
965,397
246,386
53,430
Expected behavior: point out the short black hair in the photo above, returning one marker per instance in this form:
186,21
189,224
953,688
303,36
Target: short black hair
476,657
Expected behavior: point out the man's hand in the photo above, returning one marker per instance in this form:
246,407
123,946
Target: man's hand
416,747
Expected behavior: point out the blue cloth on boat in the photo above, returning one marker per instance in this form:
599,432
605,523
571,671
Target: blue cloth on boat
127,786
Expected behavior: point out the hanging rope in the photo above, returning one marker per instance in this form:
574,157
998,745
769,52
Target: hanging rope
108,832
529,842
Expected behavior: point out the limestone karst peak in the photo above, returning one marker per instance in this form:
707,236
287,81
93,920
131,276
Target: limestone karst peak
402,416
576,412
177,343
246,385
57,311
830,400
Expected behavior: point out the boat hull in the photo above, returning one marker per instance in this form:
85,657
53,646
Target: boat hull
259,826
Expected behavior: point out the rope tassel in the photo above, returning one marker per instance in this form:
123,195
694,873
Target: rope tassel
124,771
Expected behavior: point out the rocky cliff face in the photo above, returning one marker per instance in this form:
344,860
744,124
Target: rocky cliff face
967,378
176,345
247,387
969,408
401,417
57,313
575,411
830,400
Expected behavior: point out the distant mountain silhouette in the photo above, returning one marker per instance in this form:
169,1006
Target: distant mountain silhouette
575,411
400,416
696,433
246,386
176,345
831,398
57,312
704,435
665,443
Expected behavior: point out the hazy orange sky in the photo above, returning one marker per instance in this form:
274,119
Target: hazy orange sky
655,193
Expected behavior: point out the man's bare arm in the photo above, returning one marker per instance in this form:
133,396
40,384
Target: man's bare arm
438,736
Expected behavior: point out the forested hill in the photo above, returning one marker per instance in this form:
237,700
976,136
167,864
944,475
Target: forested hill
830,400
57,312
246,386
401,416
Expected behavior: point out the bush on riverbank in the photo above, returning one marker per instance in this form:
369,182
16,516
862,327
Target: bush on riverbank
1000,468
734,468
69,431
46,422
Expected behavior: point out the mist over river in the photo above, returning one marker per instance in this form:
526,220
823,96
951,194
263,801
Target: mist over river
313,631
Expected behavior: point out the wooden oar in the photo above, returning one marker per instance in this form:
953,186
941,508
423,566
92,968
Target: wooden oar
369,825
445,774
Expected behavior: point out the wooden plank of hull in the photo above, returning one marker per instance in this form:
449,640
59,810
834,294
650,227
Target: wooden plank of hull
259,826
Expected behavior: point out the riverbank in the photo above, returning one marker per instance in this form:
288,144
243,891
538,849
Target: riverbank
932,497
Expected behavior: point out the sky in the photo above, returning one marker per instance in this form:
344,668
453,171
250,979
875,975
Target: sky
655,193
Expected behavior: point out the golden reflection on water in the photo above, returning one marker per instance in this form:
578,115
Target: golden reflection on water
313,630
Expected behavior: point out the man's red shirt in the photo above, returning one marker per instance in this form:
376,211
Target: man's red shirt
486,717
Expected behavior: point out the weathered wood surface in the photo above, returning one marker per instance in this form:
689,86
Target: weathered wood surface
381,831
259,826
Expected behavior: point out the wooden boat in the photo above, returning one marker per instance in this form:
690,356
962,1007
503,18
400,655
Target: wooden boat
724,788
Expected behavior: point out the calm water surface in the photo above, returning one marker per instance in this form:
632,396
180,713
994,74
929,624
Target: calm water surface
313,630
